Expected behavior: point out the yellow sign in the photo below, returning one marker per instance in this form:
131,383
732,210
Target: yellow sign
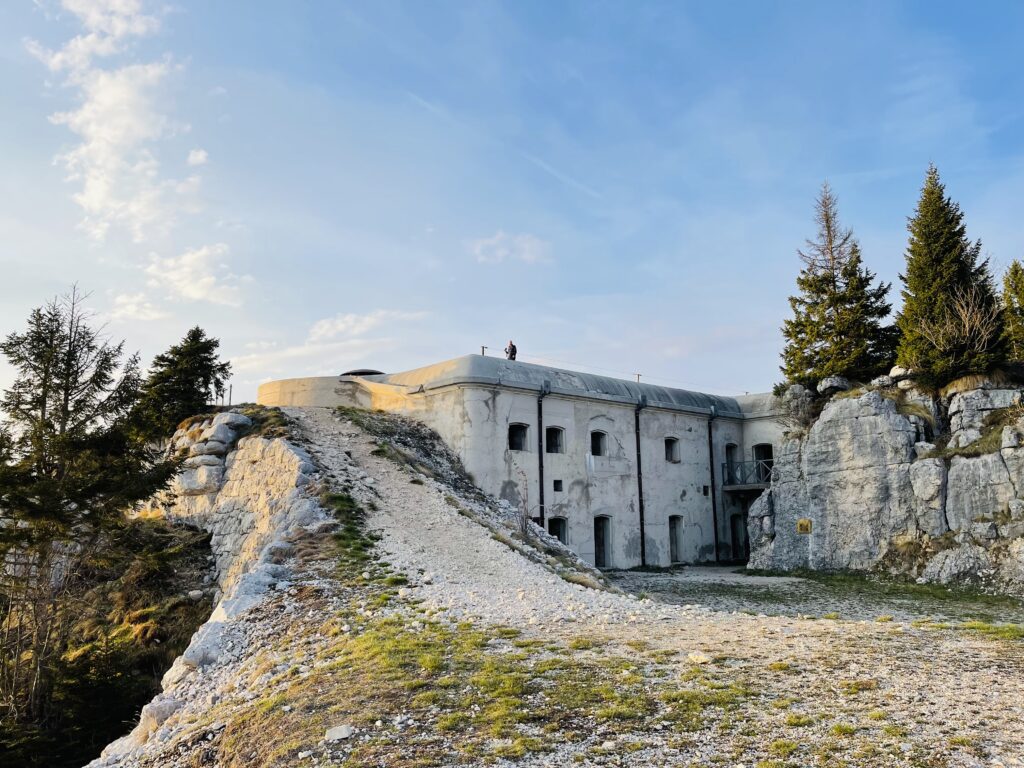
803,525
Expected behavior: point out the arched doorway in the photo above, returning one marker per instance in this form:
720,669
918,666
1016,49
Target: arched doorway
602,541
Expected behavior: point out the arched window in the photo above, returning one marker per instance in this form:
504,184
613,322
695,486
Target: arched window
517,437
598,443
672,450
554,440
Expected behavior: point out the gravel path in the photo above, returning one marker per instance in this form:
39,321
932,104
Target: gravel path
947,697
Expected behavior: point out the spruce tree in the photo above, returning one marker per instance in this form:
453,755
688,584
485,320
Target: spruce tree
182,382
1013,310
950,324
837,325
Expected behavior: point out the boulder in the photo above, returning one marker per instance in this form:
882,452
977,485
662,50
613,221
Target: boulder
220,433
339,733
832,384
154,715
967,561
978,486
235,421
213,447
198,481
898,372
883,381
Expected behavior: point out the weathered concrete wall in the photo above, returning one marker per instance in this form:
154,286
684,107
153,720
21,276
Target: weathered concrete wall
473,417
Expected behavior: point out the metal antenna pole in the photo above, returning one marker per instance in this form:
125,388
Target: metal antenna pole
483,351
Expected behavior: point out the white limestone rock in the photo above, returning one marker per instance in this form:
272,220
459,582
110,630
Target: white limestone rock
212,447
199,481
964,562
978,486
883,381
832,384
928,479
221,433
235,421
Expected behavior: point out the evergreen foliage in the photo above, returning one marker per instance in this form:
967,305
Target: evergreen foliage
181,383
837,325
70,465
950,324
1013,310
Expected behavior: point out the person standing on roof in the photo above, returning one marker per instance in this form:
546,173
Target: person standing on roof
510,350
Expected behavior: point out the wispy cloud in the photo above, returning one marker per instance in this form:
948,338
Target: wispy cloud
503,246
119,123
348,325
135,306
200,274
333,344
197,157
117,120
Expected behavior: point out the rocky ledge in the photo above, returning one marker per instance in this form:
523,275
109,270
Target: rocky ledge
890,478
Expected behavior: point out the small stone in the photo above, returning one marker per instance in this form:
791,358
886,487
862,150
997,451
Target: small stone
339,733
696,657
609,744
195,595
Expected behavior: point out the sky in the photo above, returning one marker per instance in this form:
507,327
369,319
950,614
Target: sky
620,187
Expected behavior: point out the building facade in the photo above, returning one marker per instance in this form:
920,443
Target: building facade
626,474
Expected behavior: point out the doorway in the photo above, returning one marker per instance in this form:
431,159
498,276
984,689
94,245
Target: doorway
674,529
740,542
557,527
602,538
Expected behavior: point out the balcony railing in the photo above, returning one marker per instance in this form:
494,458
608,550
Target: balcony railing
757,472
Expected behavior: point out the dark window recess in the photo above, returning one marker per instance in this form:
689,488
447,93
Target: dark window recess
517,437
554,440
598,442
672,450
558,486
706,490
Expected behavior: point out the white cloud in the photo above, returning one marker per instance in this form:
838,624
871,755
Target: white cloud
200,274
197,157
118,122
332,345
505,247
349,325
135,306
118,173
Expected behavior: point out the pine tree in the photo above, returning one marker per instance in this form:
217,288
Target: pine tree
837,325
950,324
70,466
182,382
1013,310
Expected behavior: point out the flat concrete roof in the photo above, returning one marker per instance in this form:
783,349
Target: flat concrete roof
496,371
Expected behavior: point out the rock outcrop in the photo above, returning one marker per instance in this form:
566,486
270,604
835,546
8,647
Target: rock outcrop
250,494
862,489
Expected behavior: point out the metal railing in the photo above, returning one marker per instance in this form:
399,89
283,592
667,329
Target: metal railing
758,472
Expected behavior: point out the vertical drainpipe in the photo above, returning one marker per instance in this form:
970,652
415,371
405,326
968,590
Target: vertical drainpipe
641,404
711,465
544,390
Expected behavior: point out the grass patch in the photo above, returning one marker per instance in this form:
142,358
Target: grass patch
783,747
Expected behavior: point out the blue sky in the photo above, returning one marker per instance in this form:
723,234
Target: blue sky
618,186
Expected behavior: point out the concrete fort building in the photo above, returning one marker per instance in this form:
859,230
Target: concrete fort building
626,474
